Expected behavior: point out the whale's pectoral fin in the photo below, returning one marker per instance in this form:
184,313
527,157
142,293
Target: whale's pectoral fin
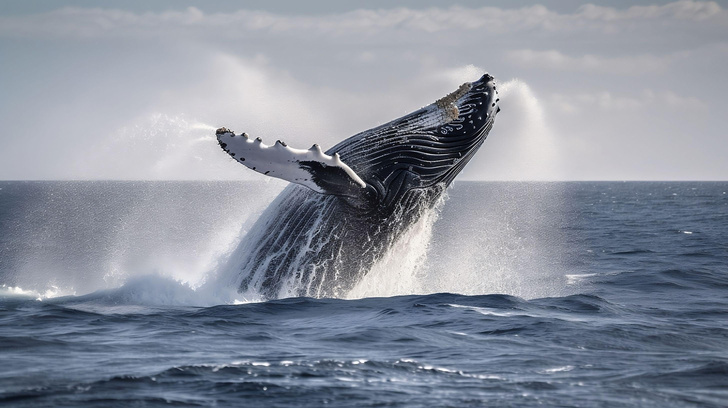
311,168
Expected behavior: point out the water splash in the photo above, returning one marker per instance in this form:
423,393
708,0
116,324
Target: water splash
63,238
513,246
136,238
400,271
509,243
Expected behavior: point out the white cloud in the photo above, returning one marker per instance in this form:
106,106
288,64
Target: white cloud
683,9
462,74
607,101
83,22
623,65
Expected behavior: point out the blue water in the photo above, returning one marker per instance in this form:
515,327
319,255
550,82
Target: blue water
560,294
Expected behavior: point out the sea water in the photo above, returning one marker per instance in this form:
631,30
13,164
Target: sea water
506,294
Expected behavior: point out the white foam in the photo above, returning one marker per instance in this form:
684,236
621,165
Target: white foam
558,369
574,279
485,311
50,293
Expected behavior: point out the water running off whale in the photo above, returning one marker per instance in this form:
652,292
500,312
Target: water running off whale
348,205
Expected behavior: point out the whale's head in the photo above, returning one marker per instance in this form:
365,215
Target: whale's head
427,148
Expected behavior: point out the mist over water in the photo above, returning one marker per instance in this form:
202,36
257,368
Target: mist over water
79,237
503,238
157,147
66,238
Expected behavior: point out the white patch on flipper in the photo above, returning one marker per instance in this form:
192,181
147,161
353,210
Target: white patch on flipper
280,160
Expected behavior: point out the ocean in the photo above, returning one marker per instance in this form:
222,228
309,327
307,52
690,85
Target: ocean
575,294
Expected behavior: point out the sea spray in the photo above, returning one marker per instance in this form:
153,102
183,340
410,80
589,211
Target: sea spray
510,242
508,245
400,270
488,238
524,145
79,237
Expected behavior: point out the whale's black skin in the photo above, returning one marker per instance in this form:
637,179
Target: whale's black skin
312,244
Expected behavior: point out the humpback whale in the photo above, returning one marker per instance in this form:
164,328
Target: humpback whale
347,205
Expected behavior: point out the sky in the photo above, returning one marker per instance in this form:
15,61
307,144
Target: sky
615,90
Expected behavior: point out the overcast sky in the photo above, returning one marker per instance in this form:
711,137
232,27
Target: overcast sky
131,90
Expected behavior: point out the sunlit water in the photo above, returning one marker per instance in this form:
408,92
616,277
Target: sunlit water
508,294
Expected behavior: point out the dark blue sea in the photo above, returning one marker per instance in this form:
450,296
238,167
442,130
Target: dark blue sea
584,294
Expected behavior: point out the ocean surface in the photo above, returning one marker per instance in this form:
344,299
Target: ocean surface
586,294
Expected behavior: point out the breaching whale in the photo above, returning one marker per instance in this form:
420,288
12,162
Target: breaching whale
347,206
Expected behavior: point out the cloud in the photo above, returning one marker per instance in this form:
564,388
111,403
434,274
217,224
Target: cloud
626,65
683,9
607,101
94,22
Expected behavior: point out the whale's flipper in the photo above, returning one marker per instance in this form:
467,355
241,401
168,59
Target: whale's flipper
311,168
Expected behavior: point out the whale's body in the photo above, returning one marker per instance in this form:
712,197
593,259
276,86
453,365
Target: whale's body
347,206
